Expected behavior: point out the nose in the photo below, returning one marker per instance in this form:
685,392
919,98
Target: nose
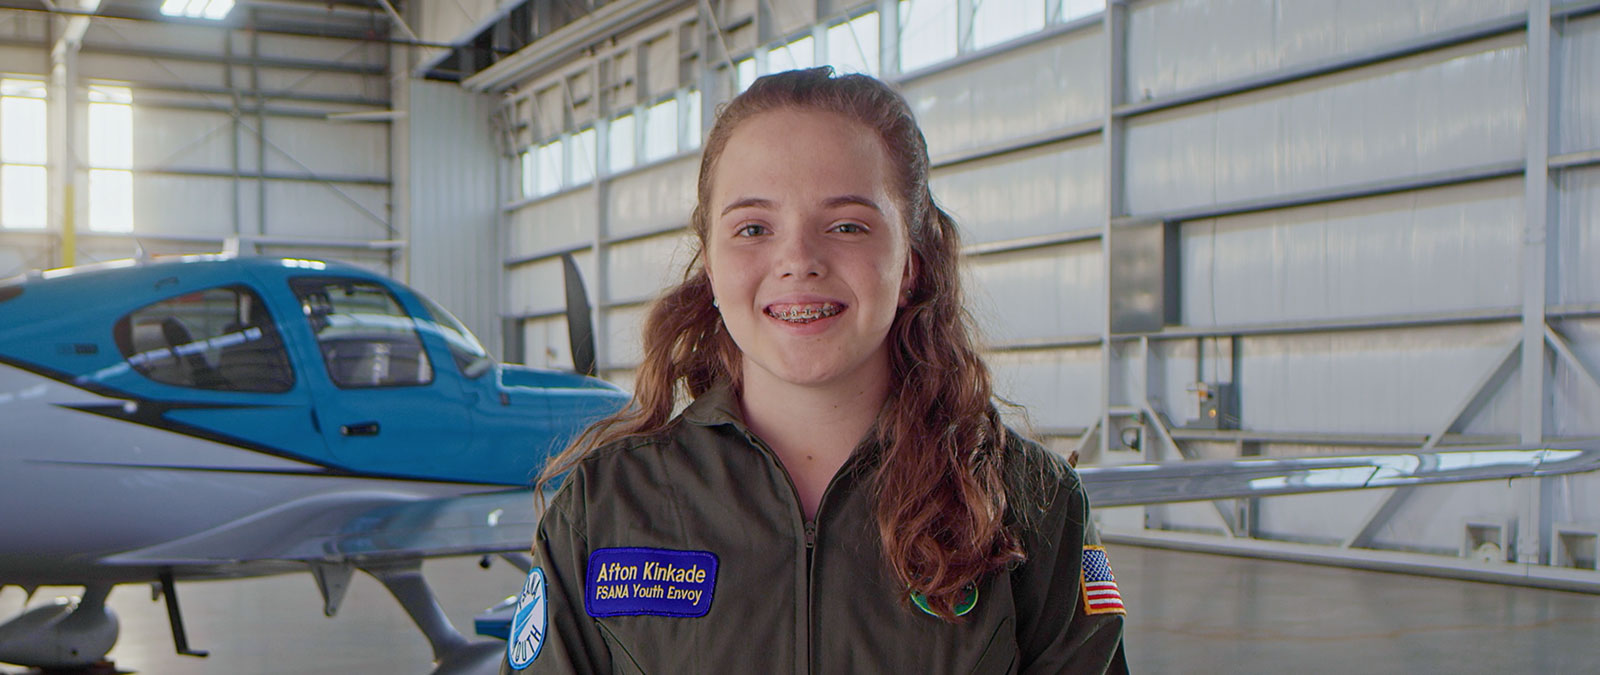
800,256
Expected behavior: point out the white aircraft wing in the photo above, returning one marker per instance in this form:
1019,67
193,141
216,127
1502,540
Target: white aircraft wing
504,522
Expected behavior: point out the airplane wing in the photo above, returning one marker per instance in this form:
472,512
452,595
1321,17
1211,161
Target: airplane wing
351,528
1198,480
504,521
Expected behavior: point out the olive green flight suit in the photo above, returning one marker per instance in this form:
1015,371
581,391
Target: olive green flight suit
792,596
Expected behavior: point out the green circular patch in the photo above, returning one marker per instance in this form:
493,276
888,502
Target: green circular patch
966,604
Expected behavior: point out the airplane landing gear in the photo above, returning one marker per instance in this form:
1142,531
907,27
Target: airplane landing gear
73,633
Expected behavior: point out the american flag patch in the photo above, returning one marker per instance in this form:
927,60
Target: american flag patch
1100,594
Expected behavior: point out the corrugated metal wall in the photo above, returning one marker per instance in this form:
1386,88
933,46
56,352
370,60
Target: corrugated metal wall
1320,206
454,186
231,138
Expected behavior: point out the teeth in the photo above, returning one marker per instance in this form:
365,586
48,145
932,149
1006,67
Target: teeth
805,313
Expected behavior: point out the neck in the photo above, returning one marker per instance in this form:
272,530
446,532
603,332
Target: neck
813,428
833,416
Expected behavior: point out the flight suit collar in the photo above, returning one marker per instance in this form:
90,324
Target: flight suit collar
718,405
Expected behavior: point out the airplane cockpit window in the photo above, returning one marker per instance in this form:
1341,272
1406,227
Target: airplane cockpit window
219,338
470,356
367,339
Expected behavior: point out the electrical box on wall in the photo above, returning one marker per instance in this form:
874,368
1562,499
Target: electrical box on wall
1216,406
1144,281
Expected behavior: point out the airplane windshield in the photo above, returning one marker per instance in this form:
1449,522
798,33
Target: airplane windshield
367,339
464,346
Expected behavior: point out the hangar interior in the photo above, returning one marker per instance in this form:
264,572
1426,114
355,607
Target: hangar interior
1194,229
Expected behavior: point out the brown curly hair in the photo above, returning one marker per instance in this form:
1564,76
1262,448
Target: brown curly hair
939,487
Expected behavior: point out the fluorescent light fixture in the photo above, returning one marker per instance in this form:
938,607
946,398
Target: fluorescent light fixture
197,9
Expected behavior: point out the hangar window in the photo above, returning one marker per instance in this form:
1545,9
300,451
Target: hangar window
927,33
853,45
525,161
661,130
620,155
792,56
24,189
110,159
219,338
745,71
691,119
583,157
367,339
995,21
547,166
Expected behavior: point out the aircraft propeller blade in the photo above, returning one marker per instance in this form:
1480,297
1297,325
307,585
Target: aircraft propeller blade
580,326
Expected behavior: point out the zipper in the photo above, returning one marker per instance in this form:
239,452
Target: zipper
809,530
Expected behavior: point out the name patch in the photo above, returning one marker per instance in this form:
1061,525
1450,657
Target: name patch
650,581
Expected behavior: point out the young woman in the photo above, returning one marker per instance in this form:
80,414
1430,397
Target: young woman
840,496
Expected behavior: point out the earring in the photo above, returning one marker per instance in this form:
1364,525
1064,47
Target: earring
714,304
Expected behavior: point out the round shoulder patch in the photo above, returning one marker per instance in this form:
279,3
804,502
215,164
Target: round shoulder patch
529,623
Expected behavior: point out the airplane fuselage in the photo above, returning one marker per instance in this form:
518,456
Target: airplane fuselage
150,411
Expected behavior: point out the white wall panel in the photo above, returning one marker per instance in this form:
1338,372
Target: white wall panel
454,219
535,288
1436,250
188,139
25,26
1387,381
1040,293
323,211
269,45
1059,387
565,220
22,60
1024,92
653,198
175,74
183,205
1184,44
1055,188
451,21
546,341
1576,83
20,253
1434,518
299,146
1576,397
1324,518
324,82
642,268
1454,108
171,36
1578,236
624,328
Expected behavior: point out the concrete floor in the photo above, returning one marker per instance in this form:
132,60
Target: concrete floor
1189,613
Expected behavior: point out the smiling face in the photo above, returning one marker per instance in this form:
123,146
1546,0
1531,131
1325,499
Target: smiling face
807,249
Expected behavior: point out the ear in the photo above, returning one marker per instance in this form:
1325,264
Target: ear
908,280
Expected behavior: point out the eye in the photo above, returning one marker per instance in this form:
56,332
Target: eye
850,228
751,230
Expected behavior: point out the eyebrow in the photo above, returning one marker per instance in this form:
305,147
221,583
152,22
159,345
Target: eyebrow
831,202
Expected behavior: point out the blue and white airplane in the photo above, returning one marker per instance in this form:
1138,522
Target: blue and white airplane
213,417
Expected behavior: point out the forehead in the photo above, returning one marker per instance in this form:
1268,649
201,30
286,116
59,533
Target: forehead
801,153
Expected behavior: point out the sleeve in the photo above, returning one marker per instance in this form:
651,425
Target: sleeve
1058,629
565,639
